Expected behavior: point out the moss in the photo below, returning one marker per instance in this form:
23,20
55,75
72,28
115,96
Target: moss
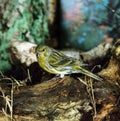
17,19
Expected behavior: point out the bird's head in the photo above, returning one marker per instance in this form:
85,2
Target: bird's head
42,51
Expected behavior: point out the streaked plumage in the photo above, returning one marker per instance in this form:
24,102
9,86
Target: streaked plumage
56,62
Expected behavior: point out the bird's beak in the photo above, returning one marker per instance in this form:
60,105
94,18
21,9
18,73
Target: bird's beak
38,54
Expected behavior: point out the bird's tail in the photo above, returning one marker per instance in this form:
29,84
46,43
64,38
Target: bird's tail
90,74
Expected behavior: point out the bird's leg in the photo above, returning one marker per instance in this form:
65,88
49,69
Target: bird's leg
59,77
62,78
62,75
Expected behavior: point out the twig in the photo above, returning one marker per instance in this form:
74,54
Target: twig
29,77
82,81
11,111
92,97
9,101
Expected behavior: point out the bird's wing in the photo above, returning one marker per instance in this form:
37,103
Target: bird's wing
58,59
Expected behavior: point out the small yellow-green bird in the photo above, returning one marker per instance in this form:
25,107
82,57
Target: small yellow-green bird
56,62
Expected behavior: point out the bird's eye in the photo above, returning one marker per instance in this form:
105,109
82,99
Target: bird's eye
43,50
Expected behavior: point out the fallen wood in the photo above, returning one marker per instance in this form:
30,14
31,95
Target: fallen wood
64,100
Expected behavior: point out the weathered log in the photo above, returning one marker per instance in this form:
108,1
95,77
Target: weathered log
112,72
24,53
65,99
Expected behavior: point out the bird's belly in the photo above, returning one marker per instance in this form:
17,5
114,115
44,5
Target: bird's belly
65,70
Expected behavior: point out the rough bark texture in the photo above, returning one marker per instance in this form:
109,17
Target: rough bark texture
58,100
66,99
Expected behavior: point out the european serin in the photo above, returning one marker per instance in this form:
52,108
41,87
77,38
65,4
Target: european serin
56,62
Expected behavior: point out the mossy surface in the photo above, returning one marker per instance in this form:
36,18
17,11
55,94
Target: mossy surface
21,20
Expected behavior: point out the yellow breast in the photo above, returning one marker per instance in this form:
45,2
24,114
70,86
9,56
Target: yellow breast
41,60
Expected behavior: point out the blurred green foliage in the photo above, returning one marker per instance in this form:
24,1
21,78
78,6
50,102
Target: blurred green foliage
23,20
